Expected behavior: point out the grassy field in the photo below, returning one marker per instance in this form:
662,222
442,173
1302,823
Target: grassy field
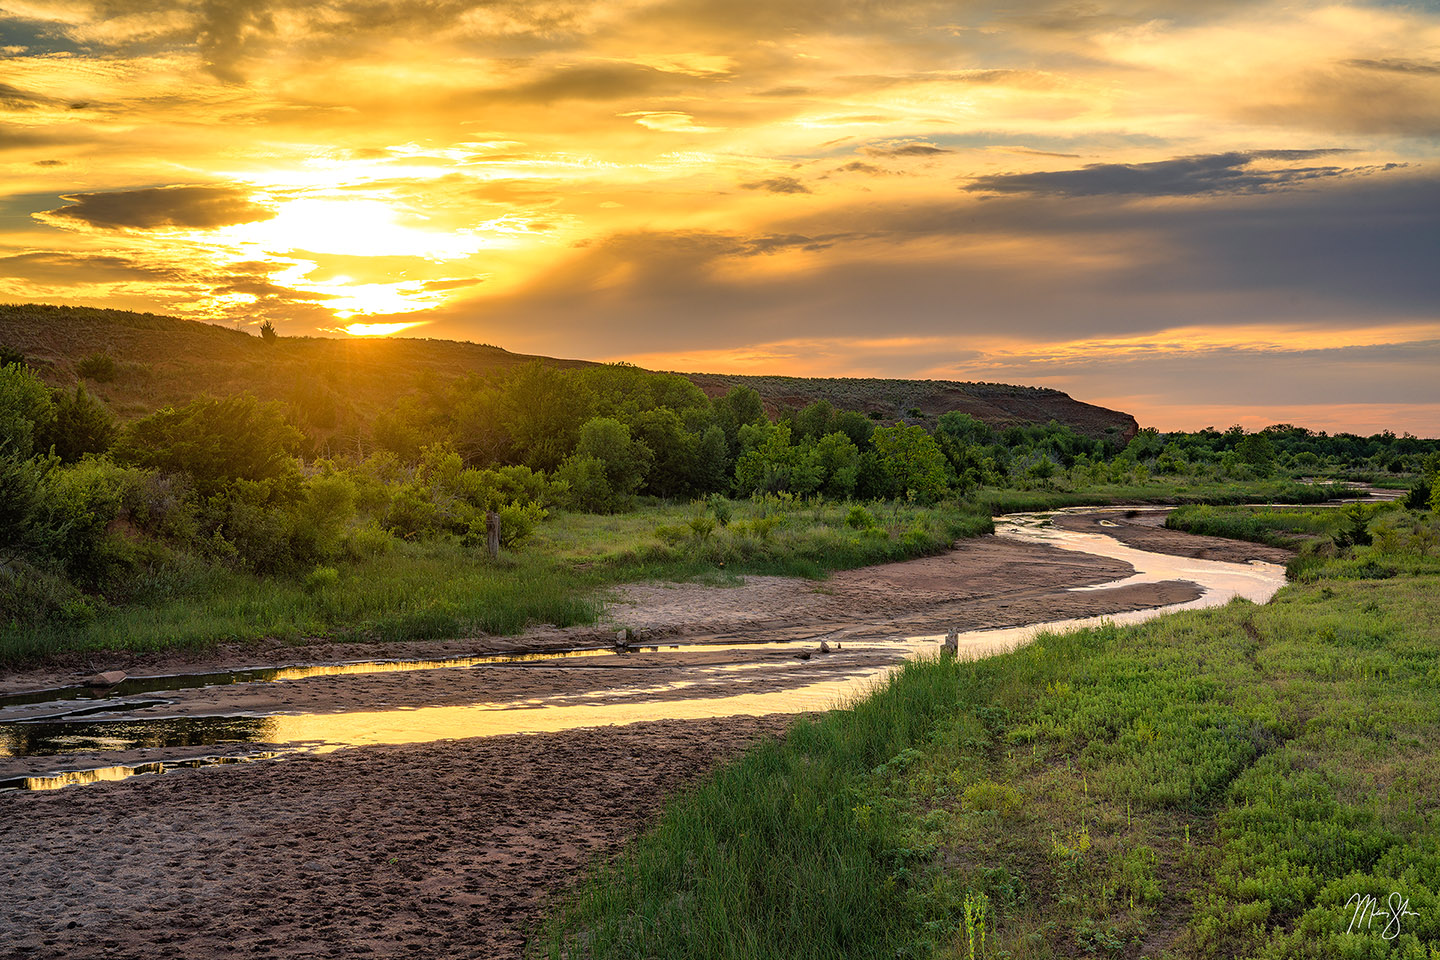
439,588
1211,784
1278,526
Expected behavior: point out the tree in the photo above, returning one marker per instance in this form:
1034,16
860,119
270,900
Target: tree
606,469
738,408
27,412
1258,451
672,472
913,461
216,442
542,410
267,332
82,425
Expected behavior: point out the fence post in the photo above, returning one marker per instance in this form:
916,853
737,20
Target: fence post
492,533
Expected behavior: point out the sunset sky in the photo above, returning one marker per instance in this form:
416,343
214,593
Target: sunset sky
1201,212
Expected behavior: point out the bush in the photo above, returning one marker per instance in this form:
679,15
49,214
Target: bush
859,518
322,579
98,366
82,425
216,442
27,413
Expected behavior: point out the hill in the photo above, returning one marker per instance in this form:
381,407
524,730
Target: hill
338,386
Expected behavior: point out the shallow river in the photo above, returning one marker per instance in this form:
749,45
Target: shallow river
54,738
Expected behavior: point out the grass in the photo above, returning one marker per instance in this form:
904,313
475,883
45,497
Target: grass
1209,784
1277,526
439,588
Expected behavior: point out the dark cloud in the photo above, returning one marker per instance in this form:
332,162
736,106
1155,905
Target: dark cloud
918,149
13,98
229,31
1181,177
67,268
151,207
777,243
1397,66
858,166
777,185
599,81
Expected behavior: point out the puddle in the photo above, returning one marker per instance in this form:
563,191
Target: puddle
708,690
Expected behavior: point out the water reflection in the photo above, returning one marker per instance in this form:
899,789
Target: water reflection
708,690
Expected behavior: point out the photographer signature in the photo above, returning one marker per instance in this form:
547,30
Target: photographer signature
1368,909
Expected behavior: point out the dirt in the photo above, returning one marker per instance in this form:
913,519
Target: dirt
438,850
984,582
450,848
1144,529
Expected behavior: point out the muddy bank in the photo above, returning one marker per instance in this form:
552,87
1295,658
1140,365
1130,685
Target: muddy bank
1144,529
438,850
985,582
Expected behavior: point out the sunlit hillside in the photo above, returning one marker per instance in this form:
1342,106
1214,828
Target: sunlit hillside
335,388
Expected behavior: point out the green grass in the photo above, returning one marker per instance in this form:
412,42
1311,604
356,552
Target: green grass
1209,784
1277,526
439,588
1159,490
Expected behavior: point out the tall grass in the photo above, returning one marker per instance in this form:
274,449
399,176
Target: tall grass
1210,784
440,588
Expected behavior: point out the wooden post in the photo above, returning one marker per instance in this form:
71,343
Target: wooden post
492,533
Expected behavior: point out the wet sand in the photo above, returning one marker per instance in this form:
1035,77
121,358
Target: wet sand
985,582
449,848
1144,529
437,850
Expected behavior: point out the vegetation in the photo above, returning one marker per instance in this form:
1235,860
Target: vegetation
110,525
1217,783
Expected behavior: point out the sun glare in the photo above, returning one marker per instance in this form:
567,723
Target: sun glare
357,228
379,329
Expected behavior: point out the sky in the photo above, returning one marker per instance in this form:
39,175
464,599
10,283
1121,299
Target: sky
1202,212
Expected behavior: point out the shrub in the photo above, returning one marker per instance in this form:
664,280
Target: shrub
9,355
27,413
216,442
98,366
82,425
267,332
322,579
859,518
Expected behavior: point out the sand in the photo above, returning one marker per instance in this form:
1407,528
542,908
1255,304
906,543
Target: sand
451,848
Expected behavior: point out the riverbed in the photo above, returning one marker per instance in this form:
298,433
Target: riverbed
402,803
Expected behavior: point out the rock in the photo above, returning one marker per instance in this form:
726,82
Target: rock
803,655
952,642
623,637
107,679
824,647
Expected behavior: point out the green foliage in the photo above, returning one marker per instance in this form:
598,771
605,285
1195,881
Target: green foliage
913,462
216,442
542,410
9,355
1228,781
27,412
607,468
83,425
98,366
859,518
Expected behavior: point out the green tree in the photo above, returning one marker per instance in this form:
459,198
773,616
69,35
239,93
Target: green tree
672,473
839,462
738,408
1257,450
815,421
216,442
771,464
542,409
624,461
913,461
27,412
82,425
